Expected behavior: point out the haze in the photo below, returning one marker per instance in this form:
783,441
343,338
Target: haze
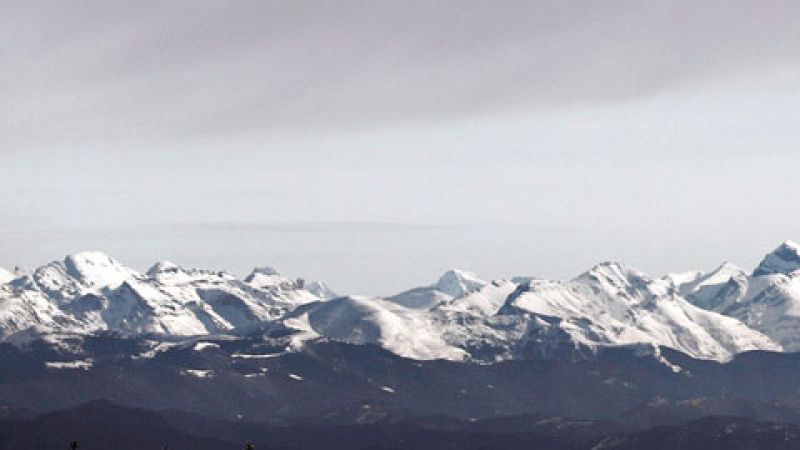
371,144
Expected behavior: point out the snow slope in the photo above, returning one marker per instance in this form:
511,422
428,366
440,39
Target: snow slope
451,285
361,320
612,304
90,292
5,276
767,301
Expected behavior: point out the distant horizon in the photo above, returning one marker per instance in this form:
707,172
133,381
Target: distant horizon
369,271
516,137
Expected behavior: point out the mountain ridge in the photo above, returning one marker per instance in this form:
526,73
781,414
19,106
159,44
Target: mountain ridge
708,315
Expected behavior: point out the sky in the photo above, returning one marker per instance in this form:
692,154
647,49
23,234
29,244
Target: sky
375,144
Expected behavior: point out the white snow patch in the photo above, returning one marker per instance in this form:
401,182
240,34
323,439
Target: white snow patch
200,346
85,364
199,373
257,356
5,276
158,347
255,375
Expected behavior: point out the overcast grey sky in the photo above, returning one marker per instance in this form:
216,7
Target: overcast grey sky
374,144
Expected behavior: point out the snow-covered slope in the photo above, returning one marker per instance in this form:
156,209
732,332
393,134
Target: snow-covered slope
362,320
485,301
90,292
458,283
612,304
767,301
5,276
451,285
704,289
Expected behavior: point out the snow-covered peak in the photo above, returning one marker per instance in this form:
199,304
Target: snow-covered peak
265,276
319,289
458,316
613,275
727,269
679,279
458,283
170,273
161,267
362,320
785,259
265,270
716,290
523,279
96,269
612,304
451,285
716,277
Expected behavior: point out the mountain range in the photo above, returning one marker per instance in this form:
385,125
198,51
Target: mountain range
708,315
612,358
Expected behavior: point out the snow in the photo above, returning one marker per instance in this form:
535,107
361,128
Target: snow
420,298
680,279
85,364
785,259
705,289
770,304
613,304
200,346
97,269
158,347
296,377
451,285
768,301
265,270
300,324
486,301
5,276
257,356
199,373
363,320
169,273
458,283
162,266
264,277
89,292
706,314
610,305
319,290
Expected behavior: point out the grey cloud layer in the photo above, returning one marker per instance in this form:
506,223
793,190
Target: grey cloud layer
108,71
659,133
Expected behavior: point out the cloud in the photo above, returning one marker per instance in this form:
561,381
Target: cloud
125,71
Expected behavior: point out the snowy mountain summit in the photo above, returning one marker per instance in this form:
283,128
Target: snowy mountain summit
709,315
785,259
